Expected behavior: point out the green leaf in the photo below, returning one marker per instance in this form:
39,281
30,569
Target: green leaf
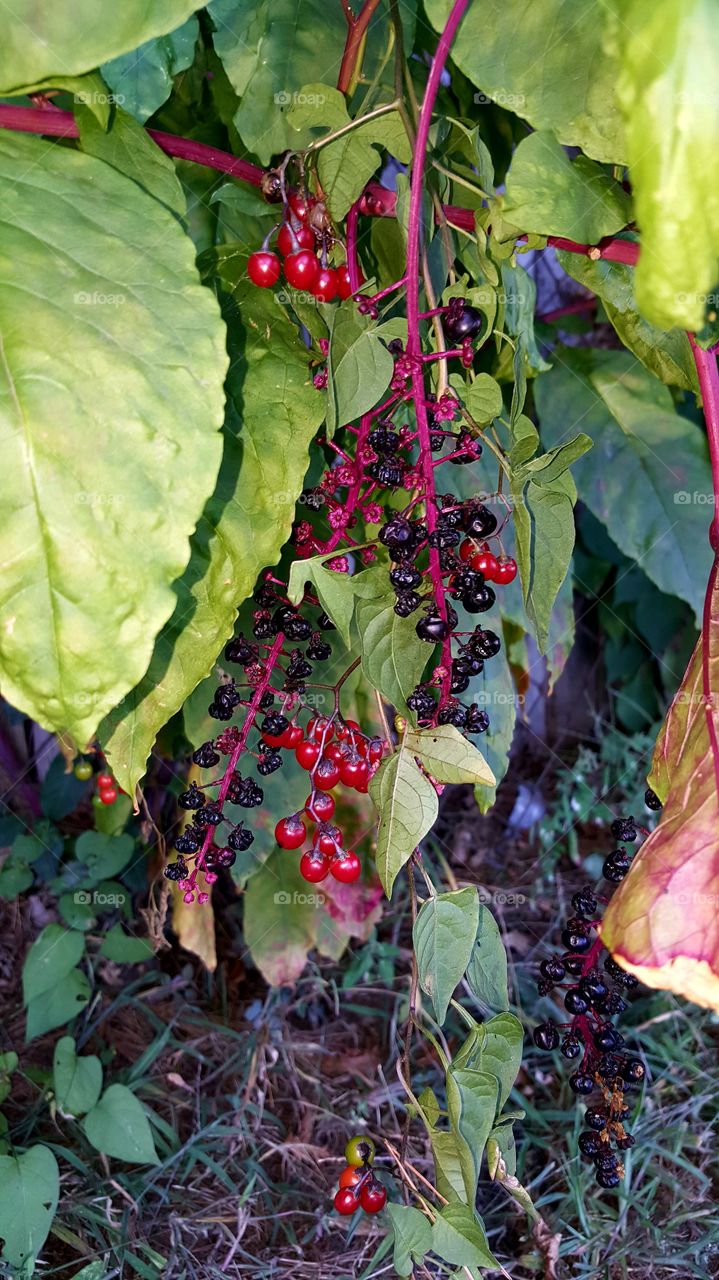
15,877
106,284
551,195
544,520
123,949
269,49
142,80
345,167
648,478
8,1064
500,700
60,793
550,466
29,1189
483,398
412,1235
519,299
335,591
58,1005
408,807
665,353
448,1164
104,856
472,1105
117,1126
273,412
51,957
48,39
448,755
444,934
360,367
77,1081
668,52
129,149
458,1237
502,1052
31,846
487,968
544,62
393,656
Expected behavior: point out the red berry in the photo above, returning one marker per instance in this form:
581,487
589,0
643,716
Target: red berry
291,737
373,1196
354,771
348,727
320,729
108,795
300,204
350,1176
105,780
314,866
325,289
274,739
344,284
320,806
485,563
335,751
290,239
326,775
302,270
329,840
346,867
506,571
467,549
263,268
307,754
290,832
346,1201
375,751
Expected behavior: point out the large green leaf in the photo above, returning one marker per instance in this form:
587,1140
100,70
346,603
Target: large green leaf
272,413
444,934
117,1126
111,365
472,1105
544,519
502,1052
648,477
666,353
58,1005
501,701
29,1188
142,79
127,147
270,49
408,807
39,40
551,195
546,63
412,1236
668,52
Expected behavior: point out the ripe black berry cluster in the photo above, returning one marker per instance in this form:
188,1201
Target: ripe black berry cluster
358,1186
593,990
332,749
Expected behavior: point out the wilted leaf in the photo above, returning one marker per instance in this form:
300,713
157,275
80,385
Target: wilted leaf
662,923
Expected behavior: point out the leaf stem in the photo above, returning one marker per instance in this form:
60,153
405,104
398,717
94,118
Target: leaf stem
347,128
357,29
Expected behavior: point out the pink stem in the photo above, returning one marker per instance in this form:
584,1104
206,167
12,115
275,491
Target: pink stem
708,374
414,341
237,750
352,263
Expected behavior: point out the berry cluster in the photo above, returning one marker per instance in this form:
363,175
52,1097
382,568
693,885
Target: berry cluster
358,1187
305,232
332,749
593,988
107,790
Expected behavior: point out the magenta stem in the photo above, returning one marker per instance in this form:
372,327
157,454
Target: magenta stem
708,374
414,341
237,750
352,263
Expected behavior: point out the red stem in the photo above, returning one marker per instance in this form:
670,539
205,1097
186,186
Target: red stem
237,750
414,341
357,28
